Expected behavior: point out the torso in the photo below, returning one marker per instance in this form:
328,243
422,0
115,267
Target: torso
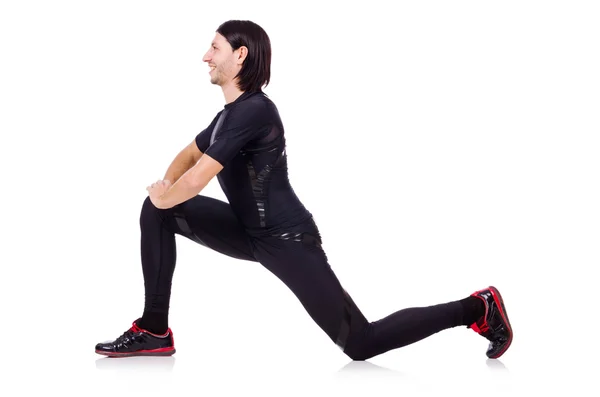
250,143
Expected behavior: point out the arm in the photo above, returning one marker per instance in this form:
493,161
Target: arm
183,162
243,125
191,182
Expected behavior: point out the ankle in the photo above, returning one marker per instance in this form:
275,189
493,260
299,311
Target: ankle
156,323
473,309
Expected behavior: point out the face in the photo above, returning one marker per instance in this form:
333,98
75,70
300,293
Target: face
223,62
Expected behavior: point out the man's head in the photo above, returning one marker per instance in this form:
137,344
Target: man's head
240,53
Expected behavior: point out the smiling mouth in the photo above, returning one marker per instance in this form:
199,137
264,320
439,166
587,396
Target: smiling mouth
212,68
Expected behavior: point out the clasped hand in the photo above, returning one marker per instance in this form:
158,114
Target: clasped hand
156,190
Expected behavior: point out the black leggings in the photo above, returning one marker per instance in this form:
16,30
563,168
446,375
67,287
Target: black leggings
296,259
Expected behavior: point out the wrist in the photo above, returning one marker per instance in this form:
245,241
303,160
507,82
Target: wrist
161,202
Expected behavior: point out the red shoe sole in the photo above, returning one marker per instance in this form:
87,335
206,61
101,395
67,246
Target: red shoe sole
157,352
500,303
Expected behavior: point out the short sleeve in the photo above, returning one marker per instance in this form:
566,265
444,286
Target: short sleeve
203,138
244,123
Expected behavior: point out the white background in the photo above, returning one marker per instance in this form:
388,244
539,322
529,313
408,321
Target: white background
443,146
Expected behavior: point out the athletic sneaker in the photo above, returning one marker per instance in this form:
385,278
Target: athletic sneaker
138,342
494,325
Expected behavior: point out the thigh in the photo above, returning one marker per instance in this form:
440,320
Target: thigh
213,224
304,268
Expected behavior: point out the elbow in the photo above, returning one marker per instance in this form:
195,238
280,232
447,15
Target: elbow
194,183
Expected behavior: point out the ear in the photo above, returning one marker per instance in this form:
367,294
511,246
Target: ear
242,54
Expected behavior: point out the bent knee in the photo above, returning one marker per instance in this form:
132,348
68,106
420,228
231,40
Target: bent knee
148,206
150,212
357,353
359,349
148,203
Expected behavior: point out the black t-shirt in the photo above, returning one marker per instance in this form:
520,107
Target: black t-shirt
247,138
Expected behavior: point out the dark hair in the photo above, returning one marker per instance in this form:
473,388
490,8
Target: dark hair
256,69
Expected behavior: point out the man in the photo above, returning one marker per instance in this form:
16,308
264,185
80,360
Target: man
265,222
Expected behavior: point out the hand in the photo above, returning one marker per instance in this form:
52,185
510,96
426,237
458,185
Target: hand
156,190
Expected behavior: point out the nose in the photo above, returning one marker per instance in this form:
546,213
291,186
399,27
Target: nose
206,57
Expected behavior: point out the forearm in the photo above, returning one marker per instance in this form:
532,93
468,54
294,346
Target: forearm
184,189
191,183
178,167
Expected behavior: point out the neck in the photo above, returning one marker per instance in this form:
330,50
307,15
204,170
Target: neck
231,92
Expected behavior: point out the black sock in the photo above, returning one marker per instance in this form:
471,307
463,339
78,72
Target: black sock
155,322
473,309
